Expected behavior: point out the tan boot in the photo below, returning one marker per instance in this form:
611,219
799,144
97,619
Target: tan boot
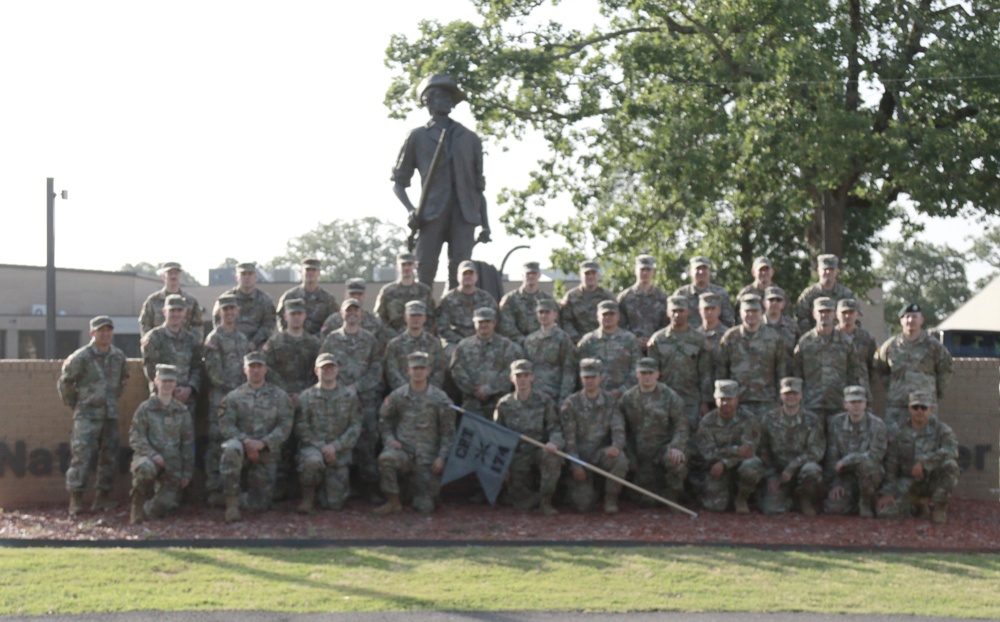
546,506
740,503
940,513
865,507
75,503
138,513
232,508
308,498
807,506
391,506
102,502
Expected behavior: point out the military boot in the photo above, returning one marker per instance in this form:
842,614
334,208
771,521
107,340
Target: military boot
391,506
546,506
611,498
138,513
807,506
102,502
216,499
940,513
865,507
232,508
308,498
75,503
920,508
740,503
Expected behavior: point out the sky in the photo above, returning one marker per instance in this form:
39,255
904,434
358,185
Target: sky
195,131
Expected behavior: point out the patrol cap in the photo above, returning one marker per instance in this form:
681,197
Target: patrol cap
100,321
591,367
791,384
417,359
228,300
166,372
774,292
750,301
175,301
247,266
356,285
828,261
726,388
350,302
532,266
647,363
295,305
312,263
406,257
547,303
467,266
709,299
824,303
607,306
855,393
254,357
416,307
678,302
521,366
444,81
588,265
848,304
645,261
761,261
167,266
327,358
921,398
909,308
484,313
699,260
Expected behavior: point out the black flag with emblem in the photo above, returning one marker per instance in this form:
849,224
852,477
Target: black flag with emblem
484,448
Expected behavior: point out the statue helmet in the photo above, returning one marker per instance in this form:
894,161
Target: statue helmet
444,81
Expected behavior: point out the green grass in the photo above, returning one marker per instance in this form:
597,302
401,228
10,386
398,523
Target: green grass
38,581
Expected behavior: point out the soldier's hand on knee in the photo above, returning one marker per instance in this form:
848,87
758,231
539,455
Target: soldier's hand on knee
717,469
612,452
550,448
786,476
884,502
159,461
395,444
773,484
836,493
438,467
579,474
676,456
329,454
745,451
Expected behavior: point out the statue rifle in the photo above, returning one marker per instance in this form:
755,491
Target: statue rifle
411,241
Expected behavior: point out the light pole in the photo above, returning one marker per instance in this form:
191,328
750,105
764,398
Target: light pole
50,268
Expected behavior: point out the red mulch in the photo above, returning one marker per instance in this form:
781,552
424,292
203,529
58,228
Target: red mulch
972,526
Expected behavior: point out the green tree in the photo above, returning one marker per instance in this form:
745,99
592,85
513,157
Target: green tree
987,249
347,248
144,267
928,274
732,129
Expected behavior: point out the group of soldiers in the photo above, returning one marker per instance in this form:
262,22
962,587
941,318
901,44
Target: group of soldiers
691,397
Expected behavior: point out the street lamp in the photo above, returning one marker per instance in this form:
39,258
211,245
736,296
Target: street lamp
50,268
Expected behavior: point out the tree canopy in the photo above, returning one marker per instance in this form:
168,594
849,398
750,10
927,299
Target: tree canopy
929,274
987,248
347,248
731,129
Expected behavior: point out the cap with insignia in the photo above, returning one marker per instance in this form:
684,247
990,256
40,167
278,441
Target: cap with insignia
828,261
590,264
548,304
855,393
750,301
532,266
761,261
467,266
356,285
699,260
678,302
175,301
417,359
168,266
254,358
247,266
350,302
645,261
726,389
607,306
791,384
774,292
406,258
101,321
709,299
166,372
921,398
591,367
483,314
909,308
824,303
311,263
228,300
327,358
295,305
647,363
416,307
848,304
521,366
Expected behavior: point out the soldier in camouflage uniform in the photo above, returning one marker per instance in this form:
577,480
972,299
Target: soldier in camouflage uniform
709,308
923,466
355,289
454,312
909,362
643,305
256,419
414,339
684,362
517,308
754,356
827,361
763,273
532,414
224,350
792,444
480,365
319,303
171,344
390,305
256,319
552,354
701,276
657,433
848,311
162,439
727,440
151,314
828,268
92,380
578,308
594,430
327,428
417,425
855,447
356,350
614,346
777,317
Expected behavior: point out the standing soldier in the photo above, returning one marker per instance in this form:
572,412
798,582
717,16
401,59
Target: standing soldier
552,354
683,360
848,311
615,347
727,440
792,445
151,315
355,289
828,268
480,365
224,350
595,431
643,305
92,380
762,271
319,303
855,447
162,439
256,319
327,429
776,316
656,429
709,307
754,356
532,414
171,344
390,305
417,424
517,308
701,282
256,419
414,339
578,312
454,312
910,362
827,362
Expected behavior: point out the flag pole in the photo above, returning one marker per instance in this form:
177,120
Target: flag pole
599,471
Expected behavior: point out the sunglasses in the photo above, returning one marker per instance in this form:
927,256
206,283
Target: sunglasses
918,407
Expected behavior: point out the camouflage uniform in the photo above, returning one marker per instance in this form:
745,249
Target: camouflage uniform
91,383
181,349
327,418
256,319
578,311
936,447
535,418
223,360
804,306
718,441
692,293
865,349
319,305
264,414
863,447
643,313
390,305
151,314
713,336
517,314
618,351
793,445
454,314
167,431
485,363
403,345
553,355
424,423
685,366
655,423
369,322
590,426
826,364
910,366
290,360
789,331
756,360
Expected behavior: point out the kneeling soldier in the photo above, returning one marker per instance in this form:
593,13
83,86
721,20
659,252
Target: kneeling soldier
328,427
162,437
855,446
727,440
